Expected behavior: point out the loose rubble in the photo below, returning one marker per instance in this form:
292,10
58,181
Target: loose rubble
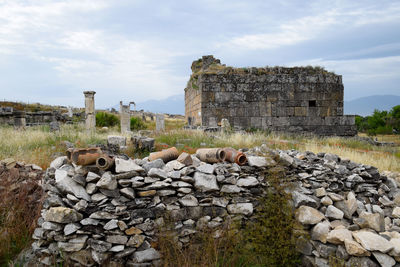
349,210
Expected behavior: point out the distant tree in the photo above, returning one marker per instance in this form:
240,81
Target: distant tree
361,123
395,112
394,118
377,119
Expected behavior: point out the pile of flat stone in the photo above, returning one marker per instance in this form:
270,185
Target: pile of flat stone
110,217
350,211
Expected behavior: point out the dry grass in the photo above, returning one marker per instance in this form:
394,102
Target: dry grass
20,204
170,124
38,145
384,158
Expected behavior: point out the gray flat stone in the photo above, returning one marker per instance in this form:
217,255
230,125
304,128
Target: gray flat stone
122,165
205,182
240,208
372,242
107,181
206,168
146,255
67,184
62,215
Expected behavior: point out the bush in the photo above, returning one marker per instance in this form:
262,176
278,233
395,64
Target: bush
380,122
137,124
387,129
104,119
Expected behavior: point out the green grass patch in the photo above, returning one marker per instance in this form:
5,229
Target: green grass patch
105,119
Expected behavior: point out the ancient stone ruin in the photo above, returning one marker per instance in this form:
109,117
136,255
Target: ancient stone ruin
90,113
22,118
125,115
110,218
294,100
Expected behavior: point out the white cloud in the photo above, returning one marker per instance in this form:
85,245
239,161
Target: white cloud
126,66
85,56
23,21
290,33
332,17
359,70
363,77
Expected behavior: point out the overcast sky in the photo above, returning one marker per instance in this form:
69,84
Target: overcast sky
51,51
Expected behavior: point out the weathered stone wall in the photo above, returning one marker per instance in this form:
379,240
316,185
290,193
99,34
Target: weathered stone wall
193,100
279,99
347,210
32,118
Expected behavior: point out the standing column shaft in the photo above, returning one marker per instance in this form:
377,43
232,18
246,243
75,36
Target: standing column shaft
90,115
124,111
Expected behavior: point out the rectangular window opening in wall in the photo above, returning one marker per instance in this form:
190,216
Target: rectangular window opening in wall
312,103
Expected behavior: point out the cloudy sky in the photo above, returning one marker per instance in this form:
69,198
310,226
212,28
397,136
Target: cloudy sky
53,50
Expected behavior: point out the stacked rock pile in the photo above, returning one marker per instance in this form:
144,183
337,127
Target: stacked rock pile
99,218
349,210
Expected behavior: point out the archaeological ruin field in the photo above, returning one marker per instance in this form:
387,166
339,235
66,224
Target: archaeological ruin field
294,196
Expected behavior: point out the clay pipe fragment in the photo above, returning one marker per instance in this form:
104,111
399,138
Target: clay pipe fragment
210,155
166,155
234,156
84,156
104,162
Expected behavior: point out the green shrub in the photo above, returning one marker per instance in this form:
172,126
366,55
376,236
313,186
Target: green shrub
387,129
104,119
137,124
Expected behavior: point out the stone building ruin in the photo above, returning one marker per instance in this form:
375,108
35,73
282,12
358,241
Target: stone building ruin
281,99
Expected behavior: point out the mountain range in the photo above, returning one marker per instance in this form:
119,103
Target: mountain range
361,106
365,106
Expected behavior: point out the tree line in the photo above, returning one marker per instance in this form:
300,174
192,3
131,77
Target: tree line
380,122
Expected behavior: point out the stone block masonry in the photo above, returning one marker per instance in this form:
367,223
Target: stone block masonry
295,100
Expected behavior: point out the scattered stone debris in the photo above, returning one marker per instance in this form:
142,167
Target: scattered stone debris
349,210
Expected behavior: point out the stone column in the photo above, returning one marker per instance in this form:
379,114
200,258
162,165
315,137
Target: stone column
160,125
124,112
90,123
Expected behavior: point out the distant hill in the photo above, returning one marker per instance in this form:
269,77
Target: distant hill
365,106
172,105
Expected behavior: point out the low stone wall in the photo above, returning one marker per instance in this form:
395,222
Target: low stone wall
109,218
34,118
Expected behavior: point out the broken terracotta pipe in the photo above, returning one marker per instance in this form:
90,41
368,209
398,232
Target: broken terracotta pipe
166,155
84,156
234,156
104,162
210,155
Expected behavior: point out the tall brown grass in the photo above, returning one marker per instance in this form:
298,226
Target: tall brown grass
20,204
